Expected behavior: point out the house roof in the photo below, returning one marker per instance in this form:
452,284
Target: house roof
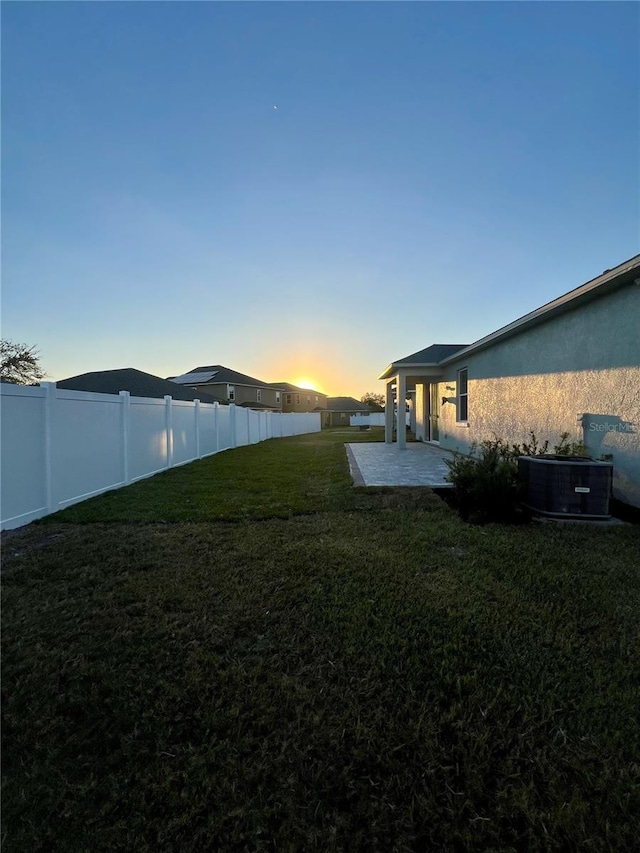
429,357
247,404
345,404
288,386
214,374
136,382
439,354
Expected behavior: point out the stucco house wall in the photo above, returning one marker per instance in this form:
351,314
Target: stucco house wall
244,393
303,401
578,372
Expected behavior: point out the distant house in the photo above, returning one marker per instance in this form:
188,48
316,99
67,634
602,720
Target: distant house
572,365
340,409
232,387
295,399
136,382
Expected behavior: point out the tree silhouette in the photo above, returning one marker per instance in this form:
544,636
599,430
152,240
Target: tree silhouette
373,400
19,364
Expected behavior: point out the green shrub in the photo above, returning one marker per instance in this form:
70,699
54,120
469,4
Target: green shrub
485,484
530,448
569,448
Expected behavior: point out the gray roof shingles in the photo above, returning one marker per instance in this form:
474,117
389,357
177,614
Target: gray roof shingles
223,375
431,355
136,382
346,404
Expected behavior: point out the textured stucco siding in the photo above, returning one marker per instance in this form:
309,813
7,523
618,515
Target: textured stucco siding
577,373
244,393
308,402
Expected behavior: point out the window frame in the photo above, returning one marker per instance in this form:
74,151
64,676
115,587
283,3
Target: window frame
231,392
462,397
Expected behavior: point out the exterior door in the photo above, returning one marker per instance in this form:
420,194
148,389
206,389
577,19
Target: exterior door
434,412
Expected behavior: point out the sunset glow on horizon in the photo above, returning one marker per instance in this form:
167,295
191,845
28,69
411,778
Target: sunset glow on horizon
310,384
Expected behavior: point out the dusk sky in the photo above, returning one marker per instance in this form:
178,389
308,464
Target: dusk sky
432,172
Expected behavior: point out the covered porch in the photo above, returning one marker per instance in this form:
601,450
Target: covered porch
416,376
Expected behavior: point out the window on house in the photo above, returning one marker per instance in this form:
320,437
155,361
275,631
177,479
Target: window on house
317,398
231,392
297,399
289,399
463,395
308,401
259,395
277,396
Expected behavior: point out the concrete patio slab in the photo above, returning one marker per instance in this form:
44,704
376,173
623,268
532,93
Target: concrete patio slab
381,464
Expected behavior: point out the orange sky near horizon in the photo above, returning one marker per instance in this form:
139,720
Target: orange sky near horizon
338,371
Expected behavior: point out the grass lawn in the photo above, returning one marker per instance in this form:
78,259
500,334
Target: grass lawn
247,654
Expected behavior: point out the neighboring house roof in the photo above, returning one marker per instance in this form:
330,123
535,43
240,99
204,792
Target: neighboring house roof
218,373
136,382
295,389
249,405
437,354
346,404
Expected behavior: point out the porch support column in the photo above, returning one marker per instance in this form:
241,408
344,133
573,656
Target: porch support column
388,413
401,402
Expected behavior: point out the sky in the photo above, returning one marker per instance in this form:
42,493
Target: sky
432,171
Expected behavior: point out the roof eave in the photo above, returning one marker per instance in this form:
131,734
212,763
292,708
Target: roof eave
411,368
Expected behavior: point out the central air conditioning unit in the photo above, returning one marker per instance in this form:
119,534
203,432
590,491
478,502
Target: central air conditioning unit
566,486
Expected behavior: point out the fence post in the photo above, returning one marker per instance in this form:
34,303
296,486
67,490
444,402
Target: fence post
197,416
125,399
216,432
49,404
232,424
168,400
249,426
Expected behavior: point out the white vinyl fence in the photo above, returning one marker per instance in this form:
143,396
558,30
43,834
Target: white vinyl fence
60,447
372,419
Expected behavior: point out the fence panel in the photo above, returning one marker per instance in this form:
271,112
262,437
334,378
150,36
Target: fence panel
276,426
86,445
373,419
208,416
148,447
23,454
184,432
242,433
254,427
265,422
287,424
225,433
